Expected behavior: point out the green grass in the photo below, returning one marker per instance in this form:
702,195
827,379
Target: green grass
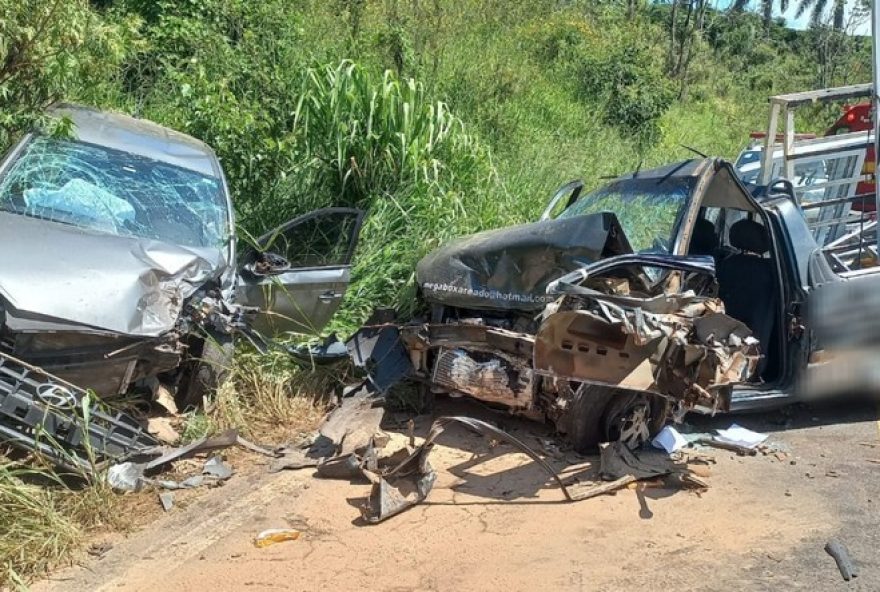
45,519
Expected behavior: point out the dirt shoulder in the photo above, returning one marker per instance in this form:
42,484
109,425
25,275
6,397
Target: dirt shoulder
494,523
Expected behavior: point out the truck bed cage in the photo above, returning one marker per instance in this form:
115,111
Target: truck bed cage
826,172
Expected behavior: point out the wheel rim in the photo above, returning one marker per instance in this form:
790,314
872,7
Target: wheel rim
630,425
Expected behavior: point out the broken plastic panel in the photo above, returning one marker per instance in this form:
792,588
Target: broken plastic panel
43,414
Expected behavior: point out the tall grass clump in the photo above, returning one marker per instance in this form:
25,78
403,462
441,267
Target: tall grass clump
270,398
38,530
380,142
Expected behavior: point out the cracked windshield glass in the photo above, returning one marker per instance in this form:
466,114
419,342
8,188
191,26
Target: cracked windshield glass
115,192
647,209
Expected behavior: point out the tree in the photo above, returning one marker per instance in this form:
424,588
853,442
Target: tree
818,7
766,8
683,43
48,48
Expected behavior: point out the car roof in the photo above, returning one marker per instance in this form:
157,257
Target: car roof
678,170
139,136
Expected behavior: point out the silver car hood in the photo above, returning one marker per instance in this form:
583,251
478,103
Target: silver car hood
59,277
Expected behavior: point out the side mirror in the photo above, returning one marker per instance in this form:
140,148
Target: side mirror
260,264
566,195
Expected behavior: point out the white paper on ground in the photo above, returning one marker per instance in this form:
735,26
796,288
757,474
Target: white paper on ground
740,436
669,439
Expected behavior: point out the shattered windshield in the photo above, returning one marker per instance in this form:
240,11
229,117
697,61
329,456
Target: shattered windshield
647,209
116,192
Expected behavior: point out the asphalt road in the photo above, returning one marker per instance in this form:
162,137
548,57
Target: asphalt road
494,522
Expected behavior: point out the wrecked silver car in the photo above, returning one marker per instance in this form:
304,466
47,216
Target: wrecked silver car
120,269
604,319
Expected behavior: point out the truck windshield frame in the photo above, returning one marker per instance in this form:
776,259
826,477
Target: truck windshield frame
650,210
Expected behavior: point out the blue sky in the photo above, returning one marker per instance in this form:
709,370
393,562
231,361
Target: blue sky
804,21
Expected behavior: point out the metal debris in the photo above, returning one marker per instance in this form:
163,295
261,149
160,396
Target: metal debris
216,468
380,352
410,482
348,466
841,556
348,433
132,476
716,443
206,444
293,459
166,498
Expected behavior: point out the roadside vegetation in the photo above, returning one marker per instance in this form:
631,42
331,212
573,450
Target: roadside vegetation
440,117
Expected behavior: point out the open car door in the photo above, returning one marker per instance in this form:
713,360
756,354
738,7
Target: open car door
298,273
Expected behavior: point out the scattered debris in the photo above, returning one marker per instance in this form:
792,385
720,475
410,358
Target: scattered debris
248,445
409,482
716,443
841,556
163,396
740,436
293,459
693,456
215,467
166,498
347,466
127,476
165,456
275,535
350,427
161,428
132,476
669,439
342,440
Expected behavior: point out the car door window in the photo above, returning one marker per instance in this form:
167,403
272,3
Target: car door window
325,238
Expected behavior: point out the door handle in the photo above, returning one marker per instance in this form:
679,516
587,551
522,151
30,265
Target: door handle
329,295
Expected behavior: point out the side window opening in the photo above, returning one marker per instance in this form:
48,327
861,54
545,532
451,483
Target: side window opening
325,239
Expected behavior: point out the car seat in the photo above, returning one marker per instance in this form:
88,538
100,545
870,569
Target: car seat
747,283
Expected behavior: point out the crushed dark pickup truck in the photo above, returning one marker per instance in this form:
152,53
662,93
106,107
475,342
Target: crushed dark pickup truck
667,290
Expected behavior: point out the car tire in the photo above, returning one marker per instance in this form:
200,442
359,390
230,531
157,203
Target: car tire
597,414
205,372
633,418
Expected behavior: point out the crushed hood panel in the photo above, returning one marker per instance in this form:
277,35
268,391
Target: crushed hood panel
60,277
510,268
